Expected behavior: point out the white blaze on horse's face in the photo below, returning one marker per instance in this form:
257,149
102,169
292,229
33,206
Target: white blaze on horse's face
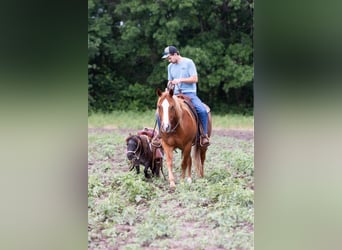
165,123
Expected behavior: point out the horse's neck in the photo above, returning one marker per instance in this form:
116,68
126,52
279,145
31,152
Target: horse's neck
144,144
179,110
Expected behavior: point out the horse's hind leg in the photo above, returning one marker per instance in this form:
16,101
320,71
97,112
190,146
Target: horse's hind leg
186,162
156,167
203,154
189,168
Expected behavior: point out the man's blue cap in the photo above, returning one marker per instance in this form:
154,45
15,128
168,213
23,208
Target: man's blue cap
169,50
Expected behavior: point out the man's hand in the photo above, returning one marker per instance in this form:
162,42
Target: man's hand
170,85
175,81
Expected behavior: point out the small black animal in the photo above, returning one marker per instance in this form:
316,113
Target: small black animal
139,151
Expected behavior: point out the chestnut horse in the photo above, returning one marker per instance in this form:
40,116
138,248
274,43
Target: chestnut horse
178,129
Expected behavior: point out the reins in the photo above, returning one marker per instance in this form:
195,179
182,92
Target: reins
154,128
173,130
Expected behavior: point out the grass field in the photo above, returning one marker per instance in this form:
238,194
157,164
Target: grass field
134,120
127,211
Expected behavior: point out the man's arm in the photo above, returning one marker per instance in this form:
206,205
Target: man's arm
190,79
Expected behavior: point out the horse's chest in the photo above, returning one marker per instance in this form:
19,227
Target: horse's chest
173,142
169,141
146,161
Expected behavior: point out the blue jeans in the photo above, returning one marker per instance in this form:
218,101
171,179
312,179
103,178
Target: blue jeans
200,109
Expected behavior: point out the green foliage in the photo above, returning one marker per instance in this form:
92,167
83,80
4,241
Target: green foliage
126,38
139,97
95,186
156,225
133,188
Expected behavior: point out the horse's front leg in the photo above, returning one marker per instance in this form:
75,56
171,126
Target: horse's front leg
147,175
137,166
169,156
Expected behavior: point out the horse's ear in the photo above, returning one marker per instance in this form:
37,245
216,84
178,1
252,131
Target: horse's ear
171,92
159,92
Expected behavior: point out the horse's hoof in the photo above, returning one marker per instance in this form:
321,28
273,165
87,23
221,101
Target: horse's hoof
189,180
172,186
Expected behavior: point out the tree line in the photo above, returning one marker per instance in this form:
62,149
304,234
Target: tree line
126,39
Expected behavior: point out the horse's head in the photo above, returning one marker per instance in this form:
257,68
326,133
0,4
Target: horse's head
133,147
168,110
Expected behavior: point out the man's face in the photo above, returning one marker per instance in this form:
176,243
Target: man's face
172,58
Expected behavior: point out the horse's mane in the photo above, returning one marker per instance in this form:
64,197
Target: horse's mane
179,111
145,144
131,137
181,107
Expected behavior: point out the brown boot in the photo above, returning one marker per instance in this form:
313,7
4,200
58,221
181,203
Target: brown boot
204,141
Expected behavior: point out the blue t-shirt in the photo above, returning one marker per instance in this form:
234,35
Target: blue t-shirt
184,69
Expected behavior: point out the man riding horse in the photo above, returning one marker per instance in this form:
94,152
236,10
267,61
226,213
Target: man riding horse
182,77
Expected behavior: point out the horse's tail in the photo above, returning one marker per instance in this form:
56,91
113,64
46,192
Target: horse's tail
196,151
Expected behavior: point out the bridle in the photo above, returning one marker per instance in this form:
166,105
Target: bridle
169,87
175,127
137,152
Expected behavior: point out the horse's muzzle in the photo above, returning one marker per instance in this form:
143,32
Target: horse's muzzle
131,156
166,128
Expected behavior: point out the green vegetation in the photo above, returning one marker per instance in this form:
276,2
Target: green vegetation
127,211
126,39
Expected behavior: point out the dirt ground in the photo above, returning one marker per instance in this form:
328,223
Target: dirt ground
246,135
235,133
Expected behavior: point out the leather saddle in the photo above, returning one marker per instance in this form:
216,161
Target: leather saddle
187,101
